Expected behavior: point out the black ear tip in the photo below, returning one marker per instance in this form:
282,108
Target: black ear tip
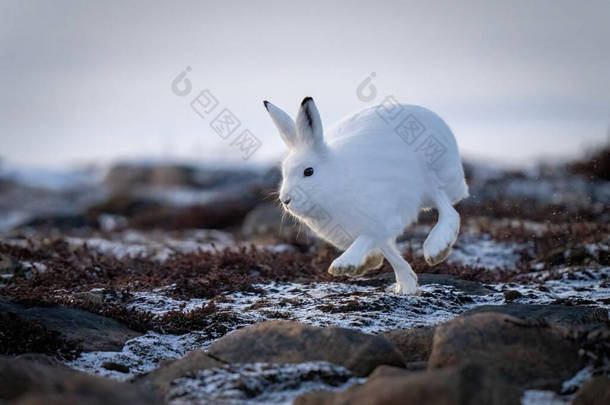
305,100
265,102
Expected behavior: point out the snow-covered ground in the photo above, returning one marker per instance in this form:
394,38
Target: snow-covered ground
371,309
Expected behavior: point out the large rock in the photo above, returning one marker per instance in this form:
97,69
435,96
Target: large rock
127,176
293,342
593,392
267,223
560,316
217,213
527,353
32,382
389,371
161,378
467,384
92,332
268,218
415,344
124,176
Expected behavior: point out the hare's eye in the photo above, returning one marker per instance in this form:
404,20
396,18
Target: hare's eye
308,172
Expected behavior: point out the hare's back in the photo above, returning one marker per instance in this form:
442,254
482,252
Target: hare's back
406,135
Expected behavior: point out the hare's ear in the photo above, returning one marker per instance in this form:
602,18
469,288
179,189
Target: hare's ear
309,124
284,124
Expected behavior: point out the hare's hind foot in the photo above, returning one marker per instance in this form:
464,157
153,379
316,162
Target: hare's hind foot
439,242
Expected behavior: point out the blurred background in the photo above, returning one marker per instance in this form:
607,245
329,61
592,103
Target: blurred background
89,82
111,107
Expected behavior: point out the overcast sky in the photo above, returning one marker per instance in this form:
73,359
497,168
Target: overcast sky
84,81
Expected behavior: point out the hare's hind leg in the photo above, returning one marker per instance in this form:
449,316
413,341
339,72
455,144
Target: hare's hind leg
357,259
406,279
442,237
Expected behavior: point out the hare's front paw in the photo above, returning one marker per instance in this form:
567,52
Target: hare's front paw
345,266
409,287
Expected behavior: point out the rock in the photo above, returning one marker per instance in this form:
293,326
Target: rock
209,178
266,218
92,332
512,295
267,223
467,384
593,392
528,354
125,176
42,359
389,371
414,344
161,378
122,203
560,316
18,336
171,176
8,265
416,366
181,197
218,213
30,382
60,221
568,256
293,342
466,286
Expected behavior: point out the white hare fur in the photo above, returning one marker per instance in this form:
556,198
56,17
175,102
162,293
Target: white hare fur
369,184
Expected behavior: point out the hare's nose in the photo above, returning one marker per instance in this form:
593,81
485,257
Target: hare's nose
286,202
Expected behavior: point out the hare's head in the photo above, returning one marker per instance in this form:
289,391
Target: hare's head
307,175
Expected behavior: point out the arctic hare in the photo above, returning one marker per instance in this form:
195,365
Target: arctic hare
359,185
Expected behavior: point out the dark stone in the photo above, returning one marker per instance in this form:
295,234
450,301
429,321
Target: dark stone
389,371
92,332
467,384
293,342
60,222
267,218
556,315
8,265
528,354
466,286
161,378
593,392
32,382
512,295
414,344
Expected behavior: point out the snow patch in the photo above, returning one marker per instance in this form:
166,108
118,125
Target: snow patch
484,252
141,354
539,397
258,383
